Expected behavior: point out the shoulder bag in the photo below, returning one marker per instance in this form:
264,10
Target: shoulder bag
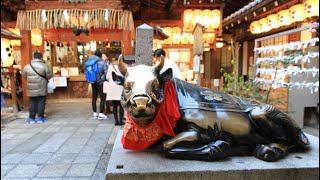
51,85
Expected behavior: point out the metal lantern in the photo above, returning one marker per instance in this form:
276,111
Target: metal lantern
272,21
6,53
297,13
311,8
36,38
284,18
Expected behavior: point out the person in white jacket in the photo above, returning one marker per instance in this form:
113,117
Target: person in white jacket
114,93
167,63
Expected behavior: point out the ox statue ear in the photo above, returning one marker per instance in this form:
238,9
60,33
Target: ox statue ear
159,66
122,66
167,75
118,79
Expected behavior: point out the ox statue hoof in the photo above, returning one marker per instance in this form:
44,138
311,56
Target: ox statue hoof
269,153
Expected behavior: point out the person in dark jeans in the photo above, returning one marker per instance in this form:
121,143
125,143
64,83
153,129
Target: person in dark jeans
37,74
97,87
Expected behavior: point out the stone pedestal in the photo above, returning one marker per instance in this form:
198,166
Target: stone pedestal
150,164
144,44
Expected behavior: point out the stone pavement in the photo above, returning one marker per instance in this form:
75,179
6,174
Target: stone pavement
71,145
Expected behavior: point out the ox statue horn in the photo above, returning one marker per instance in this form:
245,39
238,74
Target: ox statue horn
122,66
159,66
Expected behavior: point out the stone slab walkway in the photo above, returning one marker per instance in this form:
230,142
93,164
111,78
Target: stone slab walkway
71,145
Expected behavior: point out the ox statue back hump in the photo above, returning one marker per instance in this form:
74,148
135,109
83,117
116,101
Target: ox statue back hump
212,125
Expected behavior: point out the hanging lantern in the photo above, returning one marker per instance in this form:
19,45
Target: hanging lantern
191,38
197,17
206,18
36,38
215,19
168,31
15,42
188,20
255,28
273,21
176,31
311,8
208,38
184,38
297,13
264,25
219,43
284,18
6,53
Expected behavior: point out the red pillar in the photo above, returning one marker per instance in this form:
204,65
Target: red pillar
126,40
26,57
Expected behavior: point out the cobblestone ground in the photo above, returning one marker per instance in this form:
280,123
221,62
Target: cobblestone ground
71,145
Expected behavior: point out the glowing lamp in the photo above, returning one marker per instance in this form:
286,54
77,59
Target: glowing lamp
168,31
184,38
219,43
272,21
6,53
264,26
284,18
208,37
36,38
297,13
188,20
255,28
197,17
191,38
216,19
15,42
176,33
311,8
206,17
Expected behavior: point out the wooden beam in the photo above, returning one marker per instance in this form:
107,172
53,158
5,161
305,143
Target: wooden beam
108,4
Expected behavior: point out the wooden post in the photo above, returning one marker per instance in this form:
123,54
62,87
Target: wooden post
13,89
126,40
26,57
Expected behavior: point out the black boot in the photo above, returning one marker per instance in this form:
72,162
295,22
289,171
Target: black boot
115,115
121,115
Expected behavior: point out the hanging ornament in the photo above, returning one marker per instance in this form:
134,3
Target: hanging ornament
284,18
6,53
297,13
311,8
273,21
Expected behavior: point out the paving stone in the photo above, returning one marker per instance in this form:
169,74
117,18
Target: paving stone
25,170
12,158
81,170
51,129
68,129
62,158
5,169
37,158
47,178
7,136
24,136
31,144
87,158
10,178
54,170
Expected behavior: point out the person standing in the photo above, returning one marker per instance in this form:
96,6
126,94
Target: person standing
37,74
97,87
114,93
106,59
167,63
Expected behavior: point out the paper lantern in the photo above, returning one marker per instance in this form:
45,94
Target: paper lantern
255,28
284,18
297,13
215,19
273,21
197,17
6,53
188,20
191,38
176,33
36,38
184,38
264,25
15,42
206,17
168,31
208,38
219,43
311,8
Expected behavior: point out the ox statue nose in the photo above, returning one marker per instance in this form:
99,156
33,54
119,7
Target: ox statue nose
141,102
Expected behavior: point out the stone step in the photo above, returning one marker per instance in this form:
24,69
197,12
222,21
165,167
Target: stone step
150,164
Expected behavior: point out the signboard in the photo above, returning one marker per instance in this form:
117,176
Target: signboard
60,81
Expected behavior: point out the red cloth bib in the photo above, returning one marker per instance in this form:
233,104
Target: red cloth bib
135,137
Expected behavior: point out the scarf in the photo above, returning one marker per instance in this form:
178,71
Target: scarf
135,137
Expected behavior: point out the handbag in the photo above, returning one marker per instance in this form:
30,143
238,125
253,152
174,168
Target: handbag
106,84
51,85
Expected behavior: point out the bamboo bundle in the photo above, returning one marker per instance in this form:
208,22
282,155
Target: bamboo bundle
118,19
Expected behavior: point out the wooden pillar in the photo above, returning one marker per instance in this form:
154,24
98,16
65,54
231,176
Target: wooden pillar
126,40
26,57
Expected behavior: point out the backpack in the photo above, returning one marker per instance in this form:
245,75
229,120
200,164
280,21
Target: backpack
92,69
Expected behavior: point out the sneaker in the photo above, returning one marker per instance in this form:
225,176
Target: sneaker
42,119
102,116
30,121
95,115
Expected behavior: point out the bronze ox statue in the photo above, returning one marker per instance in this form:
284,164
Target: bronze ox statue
212,125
